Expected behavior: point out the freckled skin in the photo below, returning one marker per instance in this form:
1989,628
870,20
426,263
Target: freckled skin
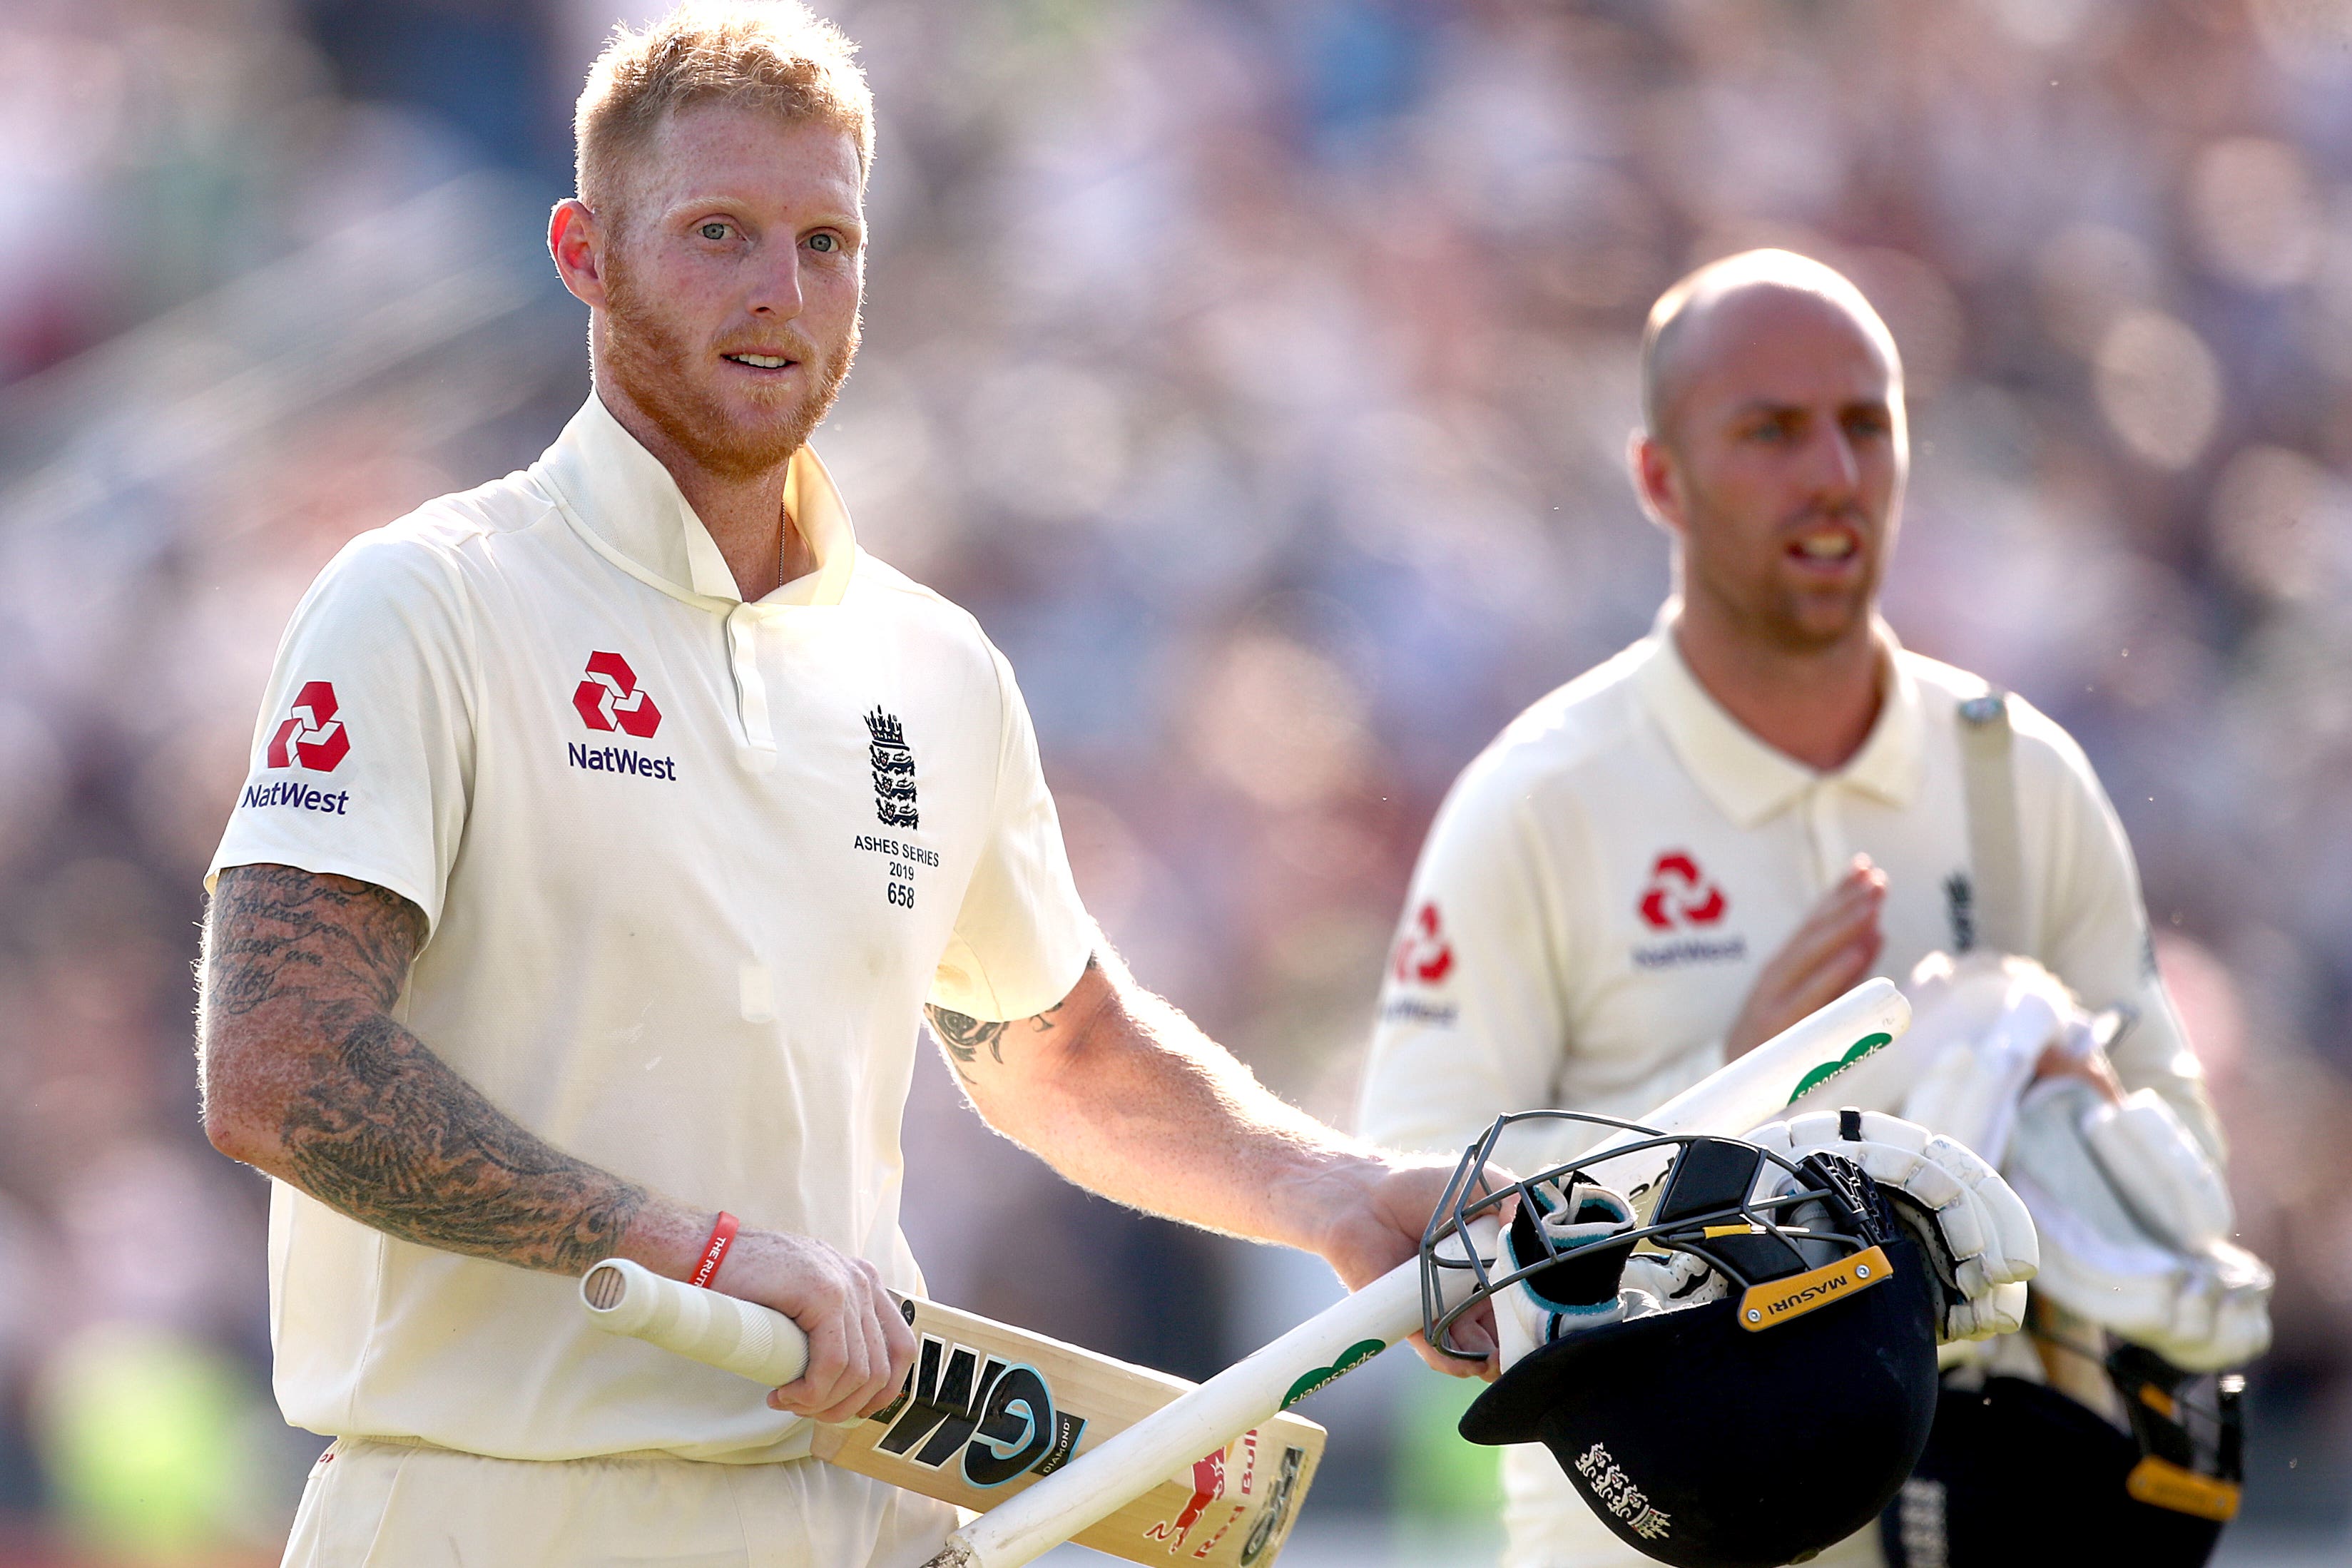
733,232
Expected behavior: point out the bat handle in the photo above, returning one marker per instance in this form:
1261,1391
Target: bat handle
725,1331
1161,1445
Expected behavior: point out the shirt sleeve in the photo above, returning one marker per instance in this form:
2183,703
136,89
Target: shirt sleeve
1022,937
364,747
1472,1020
2095,934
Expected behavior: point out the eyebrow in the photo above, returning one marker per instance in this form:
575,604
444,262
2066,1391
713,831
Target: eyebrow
1755,405
1764,405
734,202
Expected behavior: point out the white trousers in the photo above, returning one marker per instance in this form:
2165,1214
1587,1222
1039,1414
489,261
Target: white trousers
1547,1524
372,1504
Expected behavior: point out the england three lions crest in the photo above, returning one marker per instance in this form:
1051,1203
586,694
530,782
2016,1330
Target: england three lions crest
893,772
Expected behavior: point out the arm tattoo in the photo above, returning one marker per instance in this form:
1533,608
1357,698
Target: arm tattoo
374,1123
962,1035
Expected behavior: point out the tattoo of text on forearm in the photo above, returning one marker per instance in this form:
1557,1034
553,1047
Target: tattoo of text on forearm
379,1127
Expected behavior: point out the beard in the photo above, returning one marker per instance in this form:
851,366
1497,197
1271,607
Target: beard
1790,617
650,360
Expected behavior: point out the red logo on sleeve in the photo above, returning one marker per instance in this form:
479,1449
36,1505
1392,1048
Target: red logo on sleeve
1680,894
610,699
1423,954
311,735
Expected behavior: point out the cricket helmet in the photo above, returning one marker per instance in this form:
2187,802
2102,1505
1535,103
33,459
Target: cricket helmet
1732,1356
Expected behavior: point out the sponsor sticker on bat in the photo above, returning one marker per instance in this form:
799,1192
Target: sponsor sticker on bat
996,1417
1348,1361
1860,1050
1276,1517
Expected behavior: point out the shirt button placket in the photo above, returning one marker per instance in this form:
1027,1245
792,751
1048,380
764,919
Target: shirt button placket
759,751
1828,832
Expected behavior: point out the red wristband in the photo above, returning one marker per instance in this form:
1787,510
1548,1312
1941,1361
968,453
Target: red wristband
714,1251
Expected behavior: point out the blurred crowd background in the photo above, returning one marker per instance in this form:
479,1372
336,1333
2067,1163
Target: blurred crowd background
1259,373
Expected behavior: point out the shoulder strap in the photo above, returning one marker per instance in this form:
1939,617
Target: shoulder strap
1996,854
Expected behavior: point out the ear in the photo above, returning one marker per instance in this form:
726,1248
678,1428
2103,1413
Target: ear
1657,484
576,241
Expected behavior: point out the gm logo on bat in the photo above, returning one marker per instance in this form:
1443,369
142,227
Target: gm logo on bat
998,1415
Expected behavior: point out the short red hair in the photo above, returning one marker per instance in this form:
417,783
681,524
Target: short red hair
774,55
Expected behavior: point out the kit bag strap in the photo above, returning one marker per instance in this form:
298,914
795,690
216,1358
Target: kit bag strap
1996,853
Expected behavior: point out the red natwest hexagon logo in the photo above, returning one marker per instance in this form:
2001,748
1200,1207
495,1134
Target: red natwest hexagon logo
610,699
1679,894
1423,954
311,735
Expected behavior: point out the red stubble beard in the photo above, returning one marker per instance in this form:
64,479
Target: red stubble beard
1781,611
667,377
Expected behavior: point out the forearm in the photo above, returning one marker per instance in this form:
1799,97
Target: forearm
1123,1095
308,1077
384,1131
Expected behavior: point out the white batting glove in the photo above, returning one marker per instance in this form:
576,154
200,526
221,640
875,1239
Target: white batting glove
1526,1319
1974,1228
2160,1171
1979,1025
1672,1279
2096,1185
2000,1310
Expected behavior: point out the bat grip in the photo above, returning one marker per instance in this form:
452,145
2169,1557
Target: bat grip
725,1331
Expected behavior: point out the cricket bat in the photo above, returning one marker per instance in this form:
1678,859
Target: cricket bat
1799,1064
988,1409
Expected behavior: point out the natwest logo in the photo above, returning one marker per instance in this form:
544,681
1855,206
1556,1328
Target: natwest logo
311,735
610,699
1680,895
1423,954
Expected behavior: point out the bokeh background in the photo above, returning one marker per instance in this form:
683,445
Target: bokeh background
1258,372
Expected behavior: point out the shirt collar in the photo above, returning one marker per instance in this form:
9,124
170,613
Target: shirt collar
1747,779
621,496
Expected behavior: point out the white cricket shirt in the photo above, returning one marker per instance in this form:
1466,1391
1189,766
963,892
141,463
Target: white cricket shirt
692,865
1604,882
